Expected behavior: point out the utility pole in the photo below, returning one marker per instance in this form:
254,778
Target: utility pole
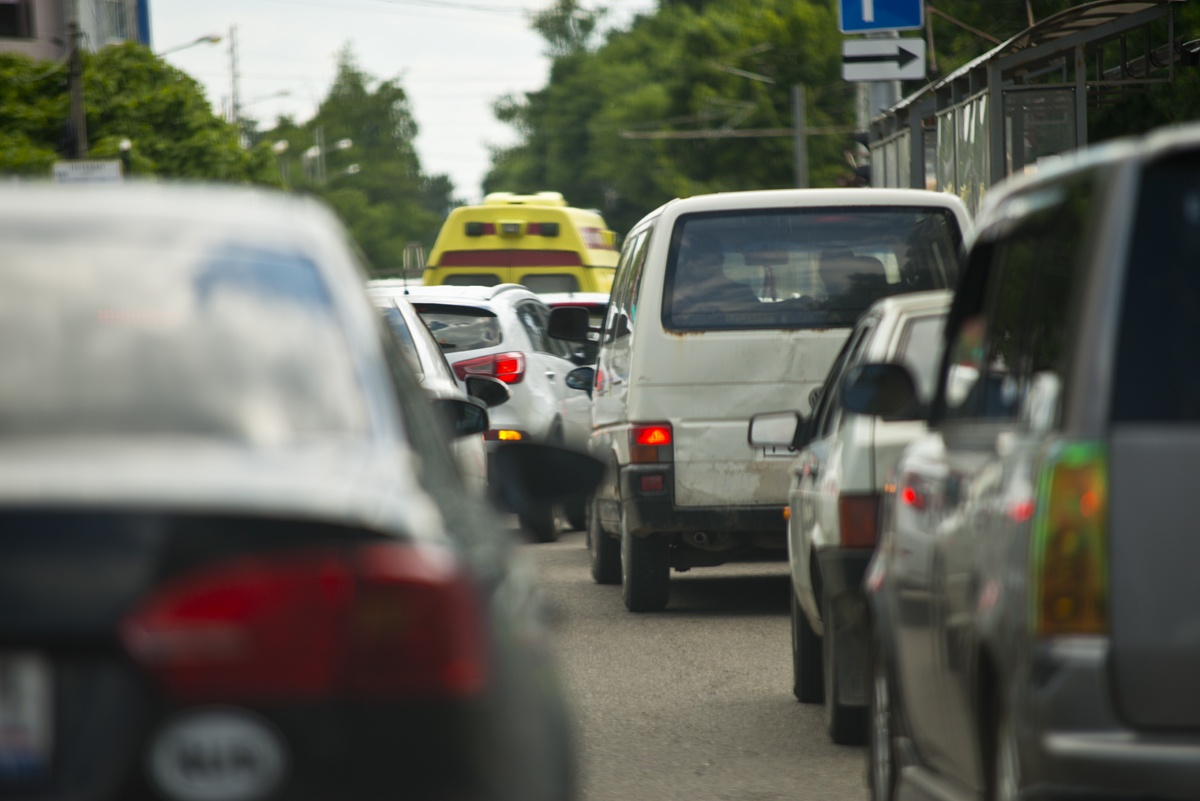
800,138
235,111
75,82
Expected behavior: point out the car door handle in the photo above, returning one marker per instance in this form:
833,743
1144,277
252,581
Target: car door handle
550,374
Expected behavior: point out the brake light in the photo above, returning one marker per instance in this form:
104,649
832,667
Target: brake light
380,621
1070,543
858,520
504,435
508,367
651,443
480,229
542,229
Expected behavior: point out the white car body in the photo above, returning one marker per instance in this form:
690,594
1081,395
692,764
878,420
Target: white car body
434,374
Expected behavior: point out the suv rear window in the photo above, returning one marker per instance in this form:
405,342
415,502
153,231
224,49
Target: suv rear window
1158,361
460,328
803,268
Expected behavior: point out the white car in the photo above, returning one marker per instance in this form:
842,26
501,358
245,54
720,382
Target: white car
437,379
500,331
844,462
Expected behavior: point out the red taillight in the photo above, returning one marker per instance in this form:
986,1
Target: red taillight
382,621
858,519
508,367
650,443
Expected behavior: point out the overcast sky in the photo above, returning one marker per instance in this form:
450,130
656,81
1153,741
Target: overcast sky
453,57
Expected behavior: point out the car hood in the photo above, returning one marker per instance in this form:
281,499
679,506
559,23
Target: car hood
343,481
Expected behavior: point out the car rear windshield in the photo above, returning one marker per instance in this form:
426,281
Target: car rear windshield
1158,357
133,330
920,346
461,328
802,268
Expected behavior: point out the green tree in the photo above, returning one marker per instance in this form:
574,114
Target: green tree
130,94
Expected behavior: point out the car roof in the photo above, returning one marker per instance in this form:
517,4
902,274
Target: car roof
910,302
575,298
469,294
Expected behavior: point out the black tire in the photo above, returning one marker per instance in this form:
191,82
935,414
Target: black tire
576,513
808,680
542,526
605,551
1006,760
881,732
645,572
847,725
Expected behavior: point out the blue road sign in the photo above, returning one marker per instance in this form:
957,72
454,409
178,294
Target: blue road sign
860,16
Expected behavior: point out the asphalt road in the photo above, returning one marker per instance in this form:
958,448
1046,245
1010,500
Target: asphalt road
693,703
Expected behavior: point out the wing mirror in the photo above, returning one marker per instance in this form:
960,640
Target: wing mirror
881,390
492,391
465,417
777,430
583,378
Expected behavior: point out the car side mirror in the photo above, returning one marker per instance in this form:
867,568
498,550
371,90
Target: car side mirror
775,429
583,378
465,417
570,323
881,390
531,477
492,391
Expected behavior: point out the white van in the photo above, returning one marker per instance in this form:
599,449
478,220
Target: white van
724,305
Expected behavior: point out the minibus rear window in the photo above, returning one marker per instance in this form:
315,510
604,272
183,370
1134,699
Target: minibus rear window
802,268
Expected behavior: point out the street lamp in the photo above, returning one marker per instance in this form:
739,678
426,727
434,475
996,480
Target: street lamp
211,38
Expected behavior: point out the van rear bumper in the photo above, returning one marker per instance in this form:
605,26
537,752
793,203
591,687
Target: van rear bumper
649,513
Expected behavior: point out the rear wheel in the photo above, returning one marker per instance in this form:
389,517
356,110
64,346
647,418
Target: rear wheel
576,513
605,551
543,526
645,572
847,725
808,685
881,756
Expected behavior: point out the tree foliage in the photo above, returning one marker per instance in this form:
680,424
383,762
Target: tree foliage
376,184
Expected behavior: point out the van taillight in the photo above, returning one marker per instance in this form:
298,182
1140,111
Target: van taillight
375,622
479,229
508,367
651,443
1070,543
858,519
542,229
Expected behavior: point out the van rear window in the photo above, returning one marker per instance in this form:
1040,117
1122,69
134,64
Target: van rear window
460,328
1158,357
802,268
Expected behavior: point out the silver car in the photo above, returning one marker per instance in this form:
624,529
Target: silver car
1034,597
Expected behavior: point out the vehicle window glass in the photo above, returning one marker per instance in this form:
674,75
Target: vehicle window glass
1030,287
619,305
550,282
399,328
527,314
475,279
257,323
829,414
920,346
461,328
1157,359
558,347
802,268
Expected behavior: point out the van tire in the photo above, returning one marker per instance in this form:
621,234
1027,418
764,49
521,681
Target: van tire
543,526
604,549
645,572
808,679
847,725
576,513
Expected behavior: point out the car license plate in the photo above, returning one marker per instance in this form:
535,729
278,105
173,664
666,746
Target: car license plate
26,715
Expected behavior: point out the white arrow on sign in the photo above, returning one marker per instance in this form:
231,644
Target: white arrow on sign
883,59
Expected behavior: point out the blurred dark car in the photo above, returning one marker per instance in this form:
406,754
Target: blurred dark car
237,559
1034,596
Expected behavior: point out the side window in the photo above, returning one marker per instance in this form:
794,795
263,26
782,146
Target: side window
527,313
619,305
1020,330
827,417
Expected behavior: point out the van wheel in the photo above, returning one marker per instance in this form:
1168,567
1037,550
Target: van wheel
808,683
542,525
847,725
576,514
605,551
881,755
645,572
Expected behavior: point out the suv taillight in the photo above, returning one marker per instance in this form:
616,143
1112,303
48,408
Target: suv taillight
858,520
508,367
375,622
651,443
1070,543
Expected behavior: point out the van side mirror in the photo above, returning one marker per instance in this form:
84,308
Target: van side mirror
881,390
492,391
775,429
570,323
465,417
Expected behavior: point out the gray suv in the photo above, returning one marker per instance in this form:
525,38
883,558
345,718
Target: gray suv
1034,599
